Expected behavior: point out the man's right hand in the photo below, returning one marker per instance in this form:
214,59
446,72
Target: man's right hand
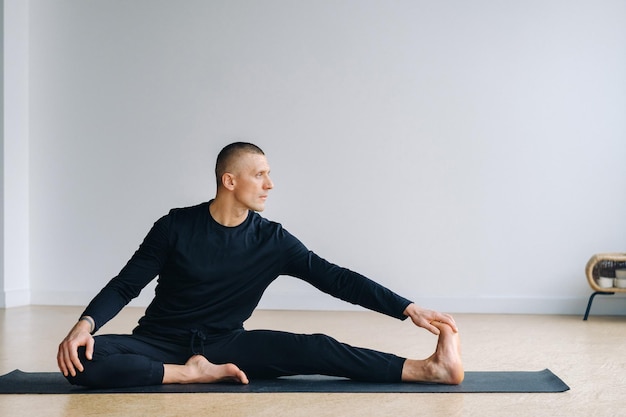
67,357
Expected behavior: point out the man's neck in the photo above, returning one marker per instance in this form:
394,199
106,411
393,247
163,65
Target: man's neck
227,214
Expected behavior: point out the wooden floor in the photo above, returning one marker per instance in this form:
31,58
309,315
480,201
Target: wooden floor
589,356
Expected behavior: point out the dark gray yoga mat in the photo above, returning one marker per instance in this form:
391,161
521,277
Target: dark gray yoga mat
18,382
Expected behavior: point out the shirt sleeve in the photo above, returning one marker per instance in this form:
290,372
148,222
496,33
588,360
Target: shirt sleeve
142,268
343,283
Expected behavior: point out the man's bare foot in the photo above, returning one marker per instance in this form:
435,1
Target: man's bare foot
442,367
198,370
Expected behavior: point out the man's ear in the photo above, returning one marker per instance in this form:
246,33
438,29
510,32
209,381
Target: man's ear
228,180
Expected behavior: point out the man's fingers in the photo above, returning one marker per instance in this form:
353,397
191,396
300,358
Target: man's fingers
439,323
89,348
61,362
65,363
450,322
434,330
446,319
75,361
68,360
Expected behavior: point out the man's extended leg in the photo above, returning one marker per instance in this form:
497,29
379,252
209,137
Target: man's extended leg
269,354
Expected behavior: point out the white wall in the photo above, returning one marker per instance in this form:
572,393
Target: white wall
469,155
14,143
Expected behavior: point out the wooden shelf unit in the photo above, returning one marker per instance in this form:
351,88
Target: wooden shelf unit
592,271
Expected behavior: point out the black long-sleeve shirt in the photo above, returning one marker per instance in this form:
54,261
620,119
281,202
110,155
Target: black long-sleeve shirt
211,277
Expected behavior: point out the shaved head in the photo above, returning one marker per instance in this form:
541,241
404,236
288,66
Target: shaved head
228,157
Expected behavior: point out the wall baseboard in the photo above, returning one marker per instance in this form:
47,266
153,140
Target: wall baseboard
602,305
311,300
14,298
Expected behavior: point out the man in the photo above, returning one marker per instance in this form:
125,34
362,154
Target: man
214,261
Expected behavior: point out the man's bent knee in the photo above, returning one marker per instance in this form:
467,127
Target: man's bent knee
83,378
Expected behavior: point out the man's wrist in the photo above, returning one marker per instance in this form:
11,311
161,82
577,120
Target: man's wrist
92,323
407,310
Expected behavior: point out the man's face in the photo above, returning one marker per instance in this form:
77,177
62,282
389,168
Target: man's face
251,177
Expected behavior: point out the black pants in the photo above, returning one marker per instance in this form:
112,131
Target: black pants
134,360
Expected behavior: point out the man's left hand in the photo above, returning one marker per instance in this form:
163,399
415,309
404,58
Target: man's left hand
423,318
